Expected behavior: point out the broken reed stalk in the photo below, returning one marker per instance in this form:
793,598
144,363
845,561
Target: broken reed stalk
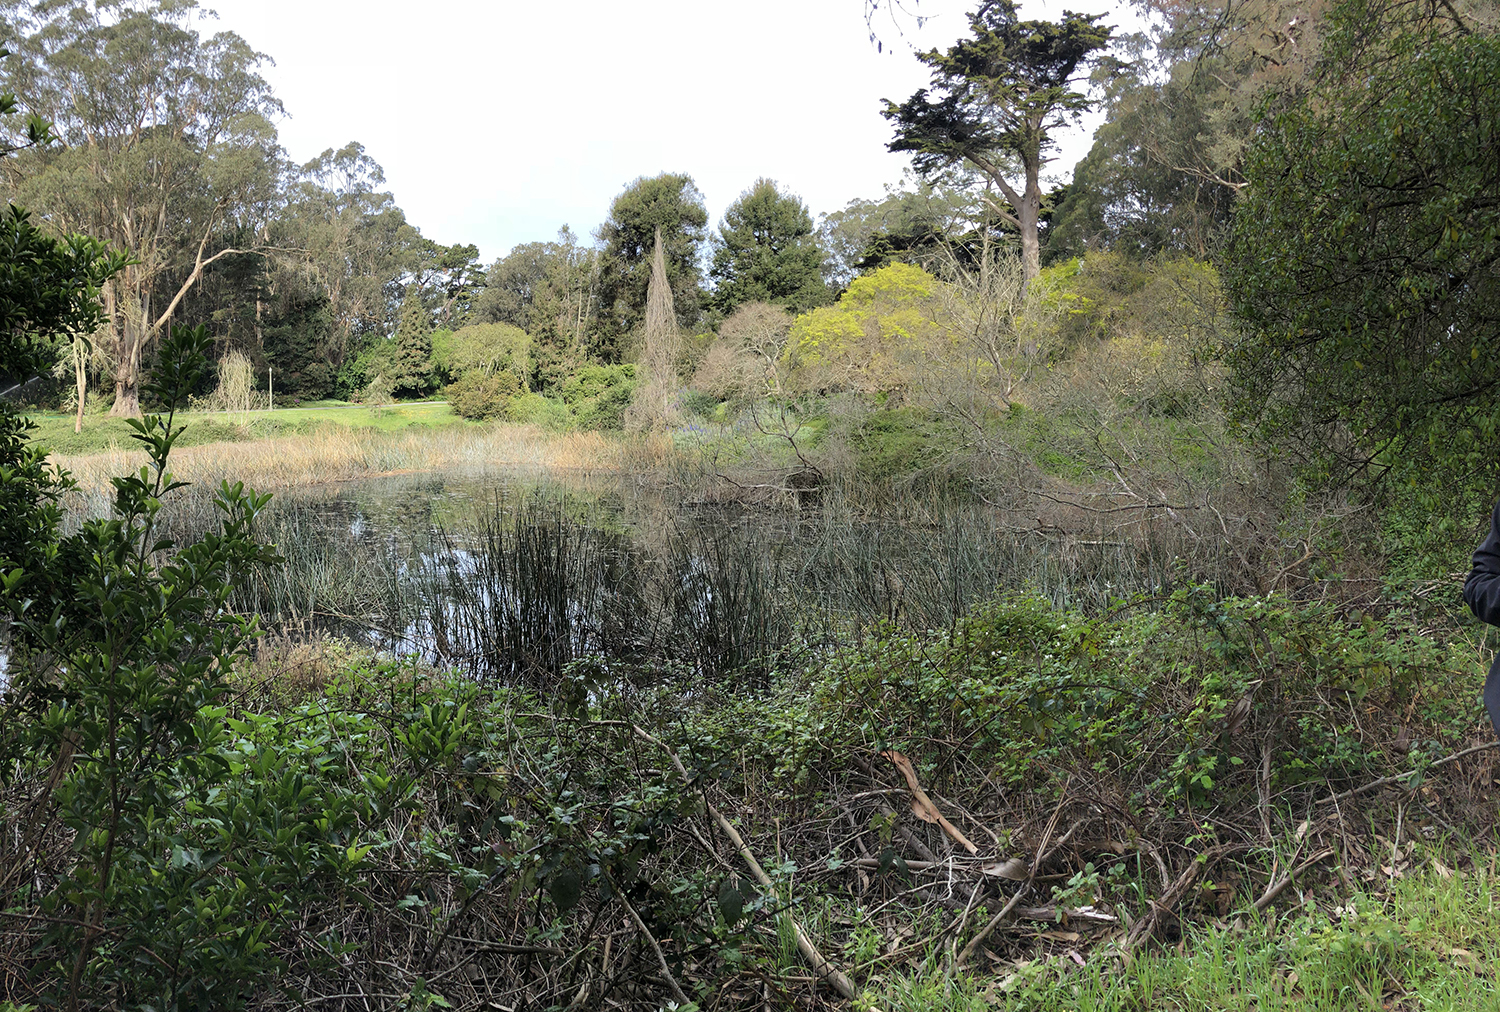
825,970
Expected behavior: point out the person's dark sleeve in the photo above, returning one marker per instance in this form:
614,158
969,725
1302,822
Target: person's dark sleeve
1482,588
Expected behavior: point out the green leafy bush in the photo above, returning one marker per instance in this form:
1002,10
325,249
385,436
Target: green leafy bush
118,668
535,409
897,441
479,395
599,394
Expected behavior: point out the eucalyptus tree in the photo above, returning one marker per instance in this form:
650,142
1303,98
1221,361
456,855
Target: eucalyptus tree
165,148
995,102
353,241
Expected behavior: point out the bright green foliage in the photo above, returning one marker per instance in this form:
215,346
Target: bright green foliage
483,348
1363,262
411,370
668,202
899,441
1035,688
543,412
765,252
996,98
478,395
870,340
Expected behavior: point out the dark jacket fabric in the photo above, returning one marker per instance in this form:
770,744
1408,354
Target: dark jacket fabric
1482,592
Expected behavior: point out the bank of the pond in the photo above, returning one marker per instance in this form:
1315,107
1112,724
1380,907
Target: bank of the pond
1159,809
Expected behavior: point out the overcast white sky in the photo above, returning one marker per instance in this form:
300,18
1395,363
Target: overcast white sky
497,122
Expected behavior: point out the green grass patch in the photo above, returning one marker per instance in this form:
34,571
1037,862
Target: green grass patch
100,433
1428,943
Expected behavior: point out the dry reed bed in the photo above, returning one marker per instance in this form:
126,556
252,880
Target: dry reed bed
334,455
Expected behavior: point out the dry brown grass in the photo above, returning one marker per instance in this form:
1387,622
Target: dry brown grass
342,455
287,669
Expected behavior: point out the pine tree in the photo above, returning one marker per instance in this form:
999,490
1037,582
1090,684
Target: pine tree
413,372
765,252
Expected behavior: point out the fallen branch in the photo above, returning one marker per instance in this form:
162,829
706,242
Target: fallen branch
1276,888
1396,778
1109,509
922,806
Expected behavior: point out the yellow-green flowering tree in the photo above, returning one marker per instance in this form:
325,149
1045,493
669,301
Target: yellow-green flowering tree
875,337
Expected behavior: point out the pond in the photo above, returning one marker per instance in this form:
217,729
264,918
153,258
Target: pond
522,573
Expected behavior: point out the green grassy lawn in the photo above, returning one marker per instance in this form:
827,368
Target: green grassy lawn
101,432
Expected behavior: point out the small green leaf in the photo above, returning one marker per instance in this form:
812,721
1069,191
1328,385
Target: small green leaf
732,900
565,888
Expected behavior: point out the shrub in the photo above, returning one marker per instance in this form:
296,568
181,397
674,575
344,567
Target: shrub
534,409
898,441
599,395
480,395
121,643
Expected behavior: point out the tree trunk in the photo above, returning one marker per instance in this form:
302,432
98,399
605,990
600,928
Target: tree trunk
1029,212
80,380
127,389
128,322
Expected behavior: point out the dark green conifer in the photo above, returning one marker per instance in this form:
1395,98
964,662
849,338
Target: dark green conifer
413,371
